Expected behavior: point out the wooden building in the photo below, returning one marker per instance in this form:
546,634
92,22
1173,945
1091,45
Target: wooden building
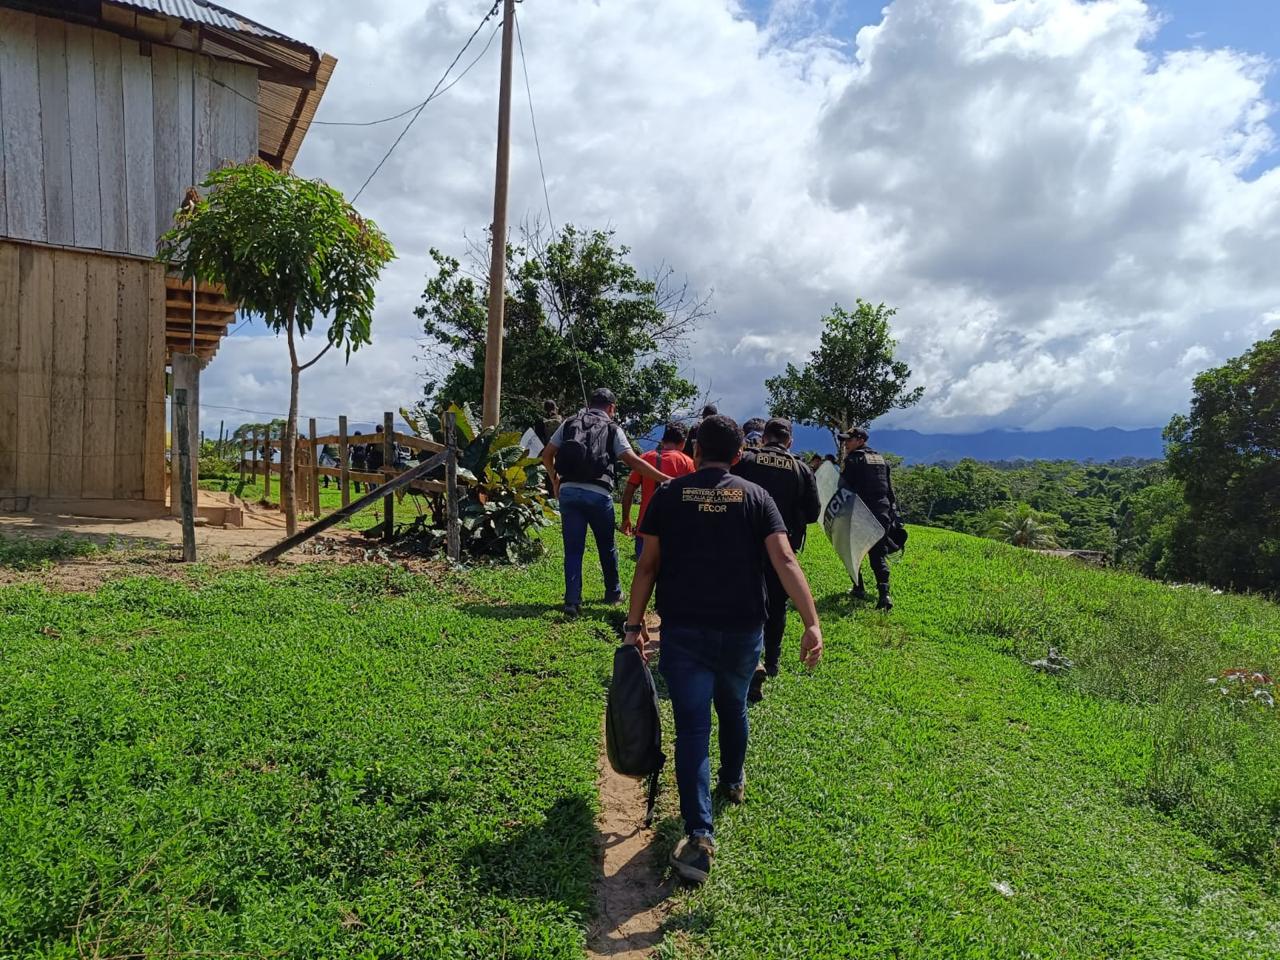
110,110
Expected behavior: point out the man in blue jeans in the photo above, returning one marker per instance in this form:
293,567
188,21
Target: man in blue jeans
708,537
582,479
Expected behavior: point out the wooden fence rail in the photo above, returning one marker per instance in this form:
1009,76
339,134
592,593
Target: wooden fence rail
383,483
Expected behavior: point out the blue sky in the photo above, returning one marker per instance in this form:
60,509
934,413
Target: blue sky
1249,25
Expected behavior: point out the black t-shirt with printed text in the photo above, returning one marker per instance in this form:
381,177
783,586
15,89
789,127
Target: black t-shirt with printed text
711,527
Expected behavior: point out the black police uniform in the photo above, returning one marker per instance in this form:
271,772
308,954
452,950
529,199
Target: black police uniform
866,473
795,491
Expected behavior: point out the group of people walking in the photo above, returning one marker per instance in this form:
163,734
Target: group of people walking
720,521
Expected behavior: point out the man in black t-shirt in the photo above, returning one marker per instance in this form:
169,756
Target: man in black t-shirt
795,491
708,538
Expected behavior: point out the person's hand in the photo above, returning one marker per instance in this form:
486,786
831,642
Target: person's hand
811,646
639,640
626,527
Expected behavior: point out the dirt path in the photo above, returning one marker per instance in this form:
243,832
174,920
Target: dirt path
631,897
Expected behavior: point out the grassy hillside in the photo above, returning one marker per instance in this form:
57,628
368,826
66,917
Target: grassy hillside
358,762
927,794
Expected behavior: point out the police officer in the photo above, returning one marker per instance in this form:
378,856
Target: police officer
866,473
795,491
754,430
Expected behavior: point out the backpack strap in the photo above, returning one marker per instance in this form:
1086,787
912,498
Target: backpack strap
652,800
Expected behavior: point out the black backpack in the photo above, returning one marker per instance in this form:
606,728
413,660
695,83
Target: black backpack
584,455
632,726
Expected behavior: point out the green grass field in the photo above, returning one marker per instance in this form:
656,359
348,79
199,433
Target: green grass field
352,761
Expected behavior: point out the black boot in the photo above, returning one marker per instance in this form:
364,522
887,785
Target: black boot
885,602
858,591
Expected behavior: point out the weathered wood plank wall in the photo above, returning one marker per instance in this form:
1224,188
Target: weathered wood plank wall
101,137
81,375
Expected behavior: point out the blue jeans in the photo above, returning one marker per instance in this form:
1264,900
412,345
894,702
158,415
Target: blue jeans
580,509
704,667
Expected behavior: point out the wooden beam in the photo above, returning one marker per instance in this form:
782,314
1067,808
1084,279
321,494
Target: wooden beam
391,487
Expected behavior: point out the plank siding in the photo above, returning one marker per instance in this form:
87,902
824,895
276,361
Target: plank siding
139,149
55,130
99,438
185,70
35,368
245,83
9,332
223,111
20,117
100,140
66,401
83,114
153,452
109,91
131,380
202,119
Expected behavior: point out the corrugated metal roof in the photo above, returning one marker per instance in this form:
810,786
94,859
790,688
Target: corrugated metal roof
210,14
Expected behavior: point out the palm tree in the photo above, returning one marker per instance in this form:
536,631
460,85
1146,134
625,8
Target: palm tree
1023,527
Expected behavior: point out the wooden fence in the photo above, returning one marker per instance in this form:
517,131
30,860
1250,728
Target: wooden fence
388,480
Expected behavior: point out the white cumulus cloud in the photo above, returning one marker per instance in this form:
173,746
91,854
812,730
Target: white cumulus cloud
1069,225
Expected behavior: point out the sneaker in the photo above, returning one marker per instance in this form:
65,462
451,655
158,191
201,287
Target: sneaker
736,795
691,860
755,692
571,611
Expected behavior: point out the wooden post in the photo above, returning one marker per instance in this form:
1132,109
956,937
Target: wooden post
454,531
388,460
186,376
253,462
271,459
184,476
315,470
221,425
344,455
498,237
242,451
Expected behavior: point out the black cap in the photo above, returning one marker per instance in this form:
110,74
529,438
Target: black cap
778,428
603,397
855,433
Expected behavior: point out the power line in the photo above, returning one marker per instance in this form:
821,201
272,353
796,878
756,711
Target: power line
487,17
546,196
365,123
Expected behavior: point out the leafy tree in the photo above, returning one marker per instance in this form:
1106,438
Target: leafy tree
1226,453
578,316
851,379
1022,526
1152,533
287,250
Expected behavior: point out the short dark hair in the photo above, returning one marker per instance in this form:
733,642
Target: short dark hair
709,410
674,433
754,425
602,397
549,407
779,428
719,439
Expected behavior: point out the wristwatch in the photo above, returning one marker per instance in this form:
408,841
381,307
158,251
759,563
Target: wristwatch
631,628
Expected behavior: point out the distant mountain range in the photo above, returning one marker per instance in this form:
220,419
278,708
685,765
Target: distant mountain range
1064,443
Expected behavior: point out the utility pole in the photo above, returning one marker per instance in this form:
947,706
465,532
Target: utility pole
498,264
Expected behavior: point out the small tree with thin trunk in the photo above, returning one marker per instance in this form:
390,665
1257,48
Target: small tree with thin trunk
287,250
851,379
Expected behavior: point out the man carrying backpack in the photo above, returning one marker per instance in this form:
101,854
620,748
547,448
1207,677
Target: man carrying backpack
709,537
582,461
795,491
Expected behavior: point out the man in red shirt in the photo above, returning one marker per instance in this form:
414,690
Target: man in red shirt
670,459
